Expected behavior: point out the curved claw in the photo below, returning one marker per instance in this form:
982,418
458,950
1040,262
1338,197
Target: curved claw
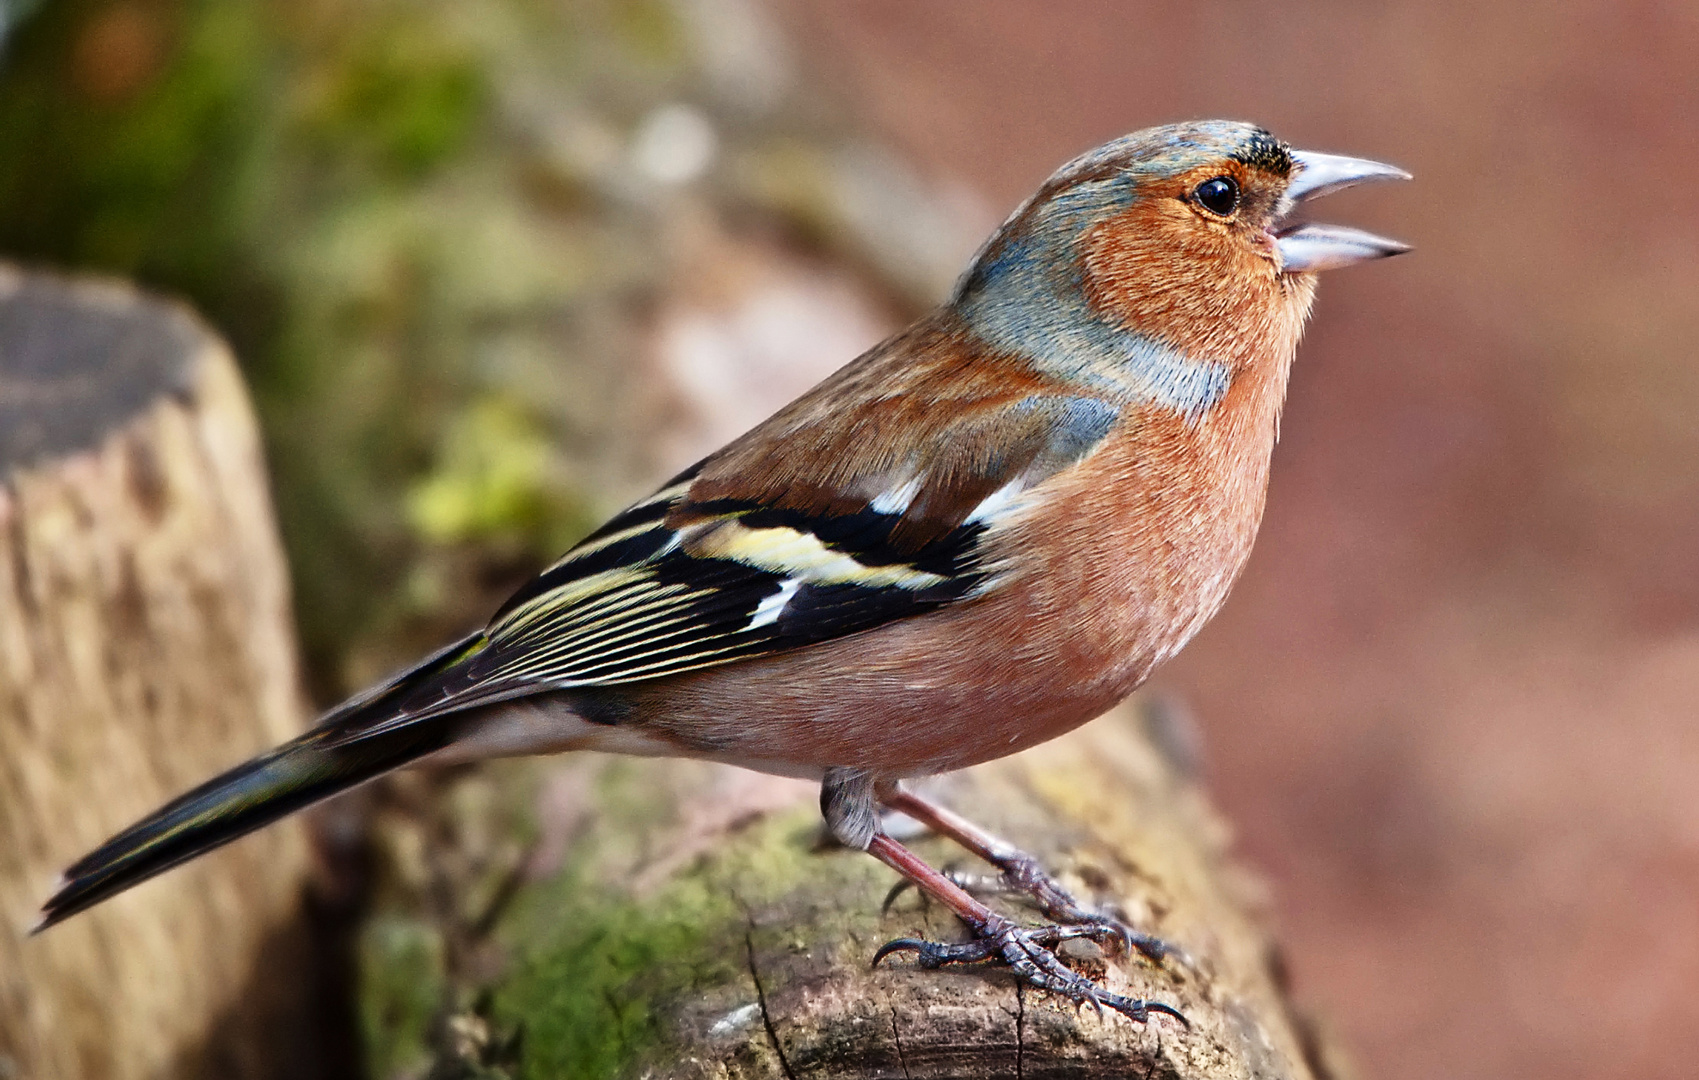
1139,1010
897,890
1166,1010
935,954
902,944
1135,1009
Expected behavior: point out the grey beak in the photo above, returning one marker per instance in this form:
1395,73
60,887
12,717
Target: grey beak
1312,248
1323,174
1308,249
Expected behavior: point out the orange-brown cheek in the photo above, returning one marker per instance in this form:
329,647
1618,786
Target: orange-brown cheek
1160,269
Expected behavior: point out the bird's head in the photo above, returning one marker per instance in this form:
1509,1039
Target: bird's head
1176,234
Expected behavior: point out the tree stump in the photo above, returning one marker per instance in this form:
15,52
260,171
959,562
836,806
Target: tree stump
145,643
682,920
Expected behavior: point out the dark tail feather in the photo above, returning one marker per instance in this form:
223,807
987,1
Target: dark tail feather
250,796
315,766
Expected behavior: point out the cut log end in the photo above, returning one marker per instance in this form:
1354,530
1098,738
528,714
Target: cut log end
79,359
145,643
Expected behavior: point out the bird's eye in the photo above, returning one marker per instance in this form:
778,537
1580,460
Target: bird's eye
1218,196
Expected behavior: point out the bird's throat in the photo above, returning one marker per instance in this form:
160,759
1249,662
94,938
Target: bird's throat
1057,333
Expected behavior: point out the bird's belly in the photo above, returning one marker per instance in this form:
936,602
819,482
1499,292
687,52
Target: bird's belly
909,699
938,692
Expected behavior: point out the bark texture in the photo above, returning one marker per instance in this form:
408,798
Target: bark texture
676,919
145,643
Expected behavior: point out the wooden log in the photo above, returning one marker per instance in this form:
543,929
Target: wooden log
145,643
679,919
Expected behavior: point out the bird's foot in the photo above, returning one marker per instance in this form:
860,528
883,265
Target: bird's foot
1023,876
998,939
1021,873
1029,953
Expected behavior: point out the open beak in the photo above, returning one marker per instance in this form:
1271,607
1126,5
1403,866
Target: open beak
1308,248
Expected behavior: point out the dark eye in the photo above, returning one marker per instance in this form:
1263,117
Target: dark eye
1218,196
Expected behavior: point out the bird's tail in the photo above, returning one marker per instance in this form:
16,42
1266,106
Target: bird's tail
333,757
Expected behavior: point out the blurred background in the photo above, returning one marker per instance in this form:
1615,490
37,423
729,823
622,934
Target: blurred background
494,266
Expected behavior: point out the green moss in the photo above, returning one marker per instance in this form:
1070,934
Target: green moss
598,975
403,988
591,997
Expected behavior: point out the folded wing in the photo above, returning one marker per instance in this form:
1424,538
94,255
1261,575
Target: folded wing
716,568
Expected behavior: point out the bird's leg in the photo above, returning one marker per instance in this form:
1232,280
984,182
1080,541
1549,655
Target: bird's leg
847,800
1021,872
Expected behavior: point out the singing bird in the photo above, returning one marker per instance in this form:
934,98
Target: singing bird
979,535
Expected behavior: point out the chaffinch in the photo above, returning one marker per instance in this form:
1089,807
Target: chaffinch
980,534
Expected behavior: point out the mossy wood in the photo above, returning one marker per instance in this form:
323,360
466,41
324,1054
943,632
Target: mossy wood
145,643
677,919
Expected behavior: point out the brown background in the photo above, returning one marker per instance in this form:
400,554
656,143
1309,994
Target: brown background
1451,706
